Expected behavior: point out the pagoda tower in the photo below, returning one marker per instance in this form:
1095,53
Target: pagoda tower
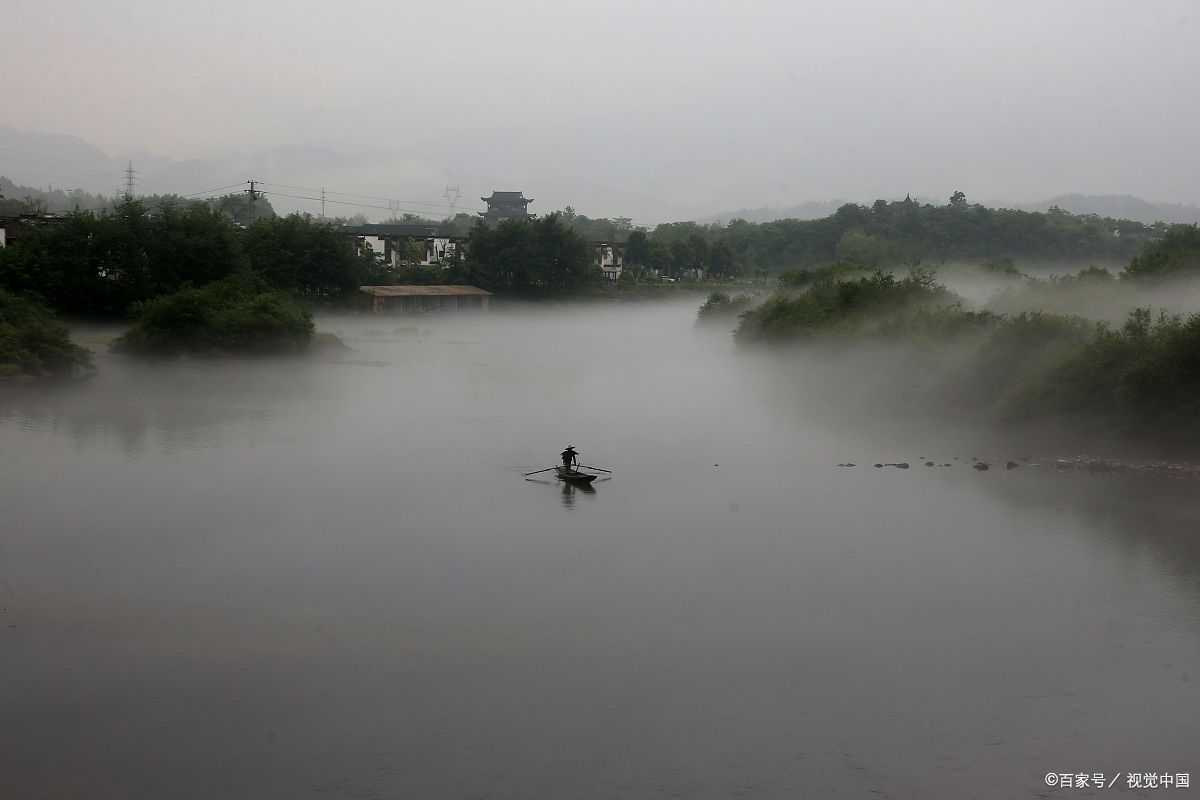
506,205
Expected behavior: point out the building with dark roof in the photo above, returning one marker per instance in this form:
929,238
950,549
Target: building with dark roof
391,241
506,205
423,299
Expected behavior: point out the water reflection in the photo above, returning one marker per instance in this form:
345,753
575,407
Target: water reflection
164,405
1140,520
568,490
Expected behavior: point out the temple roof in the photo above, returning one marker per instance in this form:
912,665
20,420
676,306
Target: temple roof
518,195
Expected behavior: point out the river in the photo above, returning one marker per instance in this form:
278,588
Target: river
329,577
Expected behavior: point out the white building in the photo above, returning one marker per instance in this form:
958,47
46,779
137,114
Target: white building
610,258
391,242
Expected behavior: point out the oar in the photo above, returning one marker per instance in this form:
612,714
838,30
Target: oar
609,471
547,469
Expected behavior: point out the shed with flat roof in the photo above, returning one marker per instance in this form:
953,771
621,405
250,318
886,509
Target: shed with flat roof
423,299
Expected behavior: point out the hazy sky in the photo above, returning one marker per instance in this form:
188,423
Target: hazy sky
651,109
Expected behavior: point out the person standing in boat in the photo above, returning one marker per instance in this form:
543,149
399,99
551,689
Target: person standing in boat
570,457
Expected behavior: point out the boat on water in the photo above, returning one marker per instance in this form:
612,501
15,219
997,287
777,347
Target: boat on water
574,475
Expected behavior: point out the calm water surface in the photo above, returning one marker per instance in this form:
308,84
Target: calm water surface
329,578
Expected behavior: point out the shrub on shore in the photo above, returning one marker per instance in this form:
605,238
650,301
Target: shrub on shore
236,315
33,343
1144,375
1139,377
720,305
847,305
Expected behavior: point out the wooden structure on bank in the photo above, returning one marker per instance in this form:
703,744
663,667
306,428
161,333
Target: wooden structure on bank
424,299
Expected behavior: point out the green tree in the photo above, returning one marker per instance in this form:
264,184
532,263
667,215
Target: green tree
32,342
637,249
721,258
307,258
859,247
93,266
240,209
1176,253
414,253
530,257
240,314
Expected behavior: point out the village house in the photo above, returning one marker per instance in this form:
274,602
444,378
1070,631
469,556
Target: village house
11,227
425,299
391,241
610,258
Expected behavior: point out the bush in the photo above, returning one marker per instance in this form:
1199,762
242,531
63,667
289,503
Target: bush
33,343
1176,253
1141,377
720,305
842,305
936,325
237,315
803,278
1145,375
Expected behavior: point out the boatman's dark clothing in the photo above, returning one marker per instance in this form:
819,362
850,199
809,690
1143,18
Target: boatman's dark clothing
569,457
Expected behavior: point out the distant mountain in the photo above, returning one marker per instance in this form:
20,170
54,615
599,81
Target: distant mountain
51,160
49,155
16,198
1119,206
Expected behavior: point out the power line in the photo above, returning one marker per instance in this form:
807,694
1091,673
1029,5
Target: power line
272,193
318,199
351,203
210,191
364,196
77,168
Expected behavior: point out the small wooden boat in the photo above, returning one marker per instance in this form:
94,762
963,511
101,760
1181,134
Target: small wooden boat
574,475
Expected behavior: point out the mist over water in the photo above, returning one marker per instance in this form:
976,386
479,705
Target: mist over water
330,578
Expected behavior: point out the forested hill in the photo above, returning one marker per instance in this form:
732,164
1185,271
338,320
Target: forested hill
1117,206
16,199
893,233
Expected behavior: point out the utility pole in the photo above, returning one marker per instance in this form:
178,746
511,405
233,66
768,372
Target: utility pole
322,203
253,197
452,194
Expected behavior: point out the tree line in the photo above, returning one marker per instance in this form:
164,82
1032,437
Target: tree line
889,234
99,265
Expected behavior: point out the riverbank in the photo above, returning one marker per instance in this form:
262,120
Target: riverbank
930,348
